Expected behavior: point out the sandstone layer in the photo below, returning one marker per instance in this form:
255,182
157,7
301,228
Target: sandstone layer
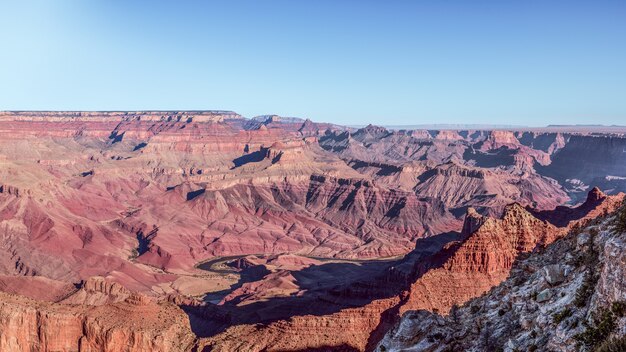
273,226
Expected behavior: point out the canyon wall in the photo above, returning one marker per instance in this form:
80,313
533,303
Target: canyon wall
362,224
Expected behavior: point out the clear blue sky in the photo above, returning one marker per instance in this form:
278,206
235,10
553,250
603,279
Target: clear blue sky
350,62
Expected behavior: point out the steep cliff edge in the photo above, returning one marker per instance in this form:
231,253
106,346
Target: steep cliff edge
569,296
604,164
136,324
462,270
97,206
484,258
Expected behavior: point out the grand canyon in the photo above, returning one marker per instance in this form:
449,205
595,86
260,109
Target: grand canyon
209,231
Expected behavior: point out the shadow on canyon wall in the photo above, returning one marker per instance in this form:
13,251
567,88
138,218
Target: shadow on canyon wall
325,289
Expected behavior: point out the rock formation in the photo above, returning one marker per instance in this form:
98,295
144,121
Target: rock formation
262,227
434,281
132,325
566,297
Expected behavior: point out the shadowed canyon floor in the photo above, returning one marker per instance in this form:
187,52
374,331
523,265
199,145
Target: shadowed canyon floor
271,233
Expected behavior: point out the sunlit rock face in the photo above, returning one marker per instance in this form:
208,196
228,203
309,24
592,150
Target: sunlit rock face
337,231
551,300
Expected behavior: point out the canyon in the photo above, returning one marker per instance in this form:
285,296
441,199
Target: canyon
567,296
208,231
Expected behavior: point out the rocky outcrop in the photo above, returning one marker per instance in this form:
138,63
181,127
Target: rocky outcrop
132,325
547,142
95,206
596,204
461,186
498,138
483,258
11,190
448,135
551,301
611,285
98,291
480,261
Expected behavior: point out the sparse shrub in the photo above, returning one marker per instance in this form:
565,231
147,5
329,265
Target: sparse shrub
616,344
454,313
532,348
474,309
501,312
489,343
620,219
533,295
590,260
435,337
562,315
518,280
602,326
619,308
586,289
382,348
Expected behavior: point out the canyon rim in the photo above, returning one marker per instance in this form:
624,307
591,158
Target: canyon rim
312,176
205,230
